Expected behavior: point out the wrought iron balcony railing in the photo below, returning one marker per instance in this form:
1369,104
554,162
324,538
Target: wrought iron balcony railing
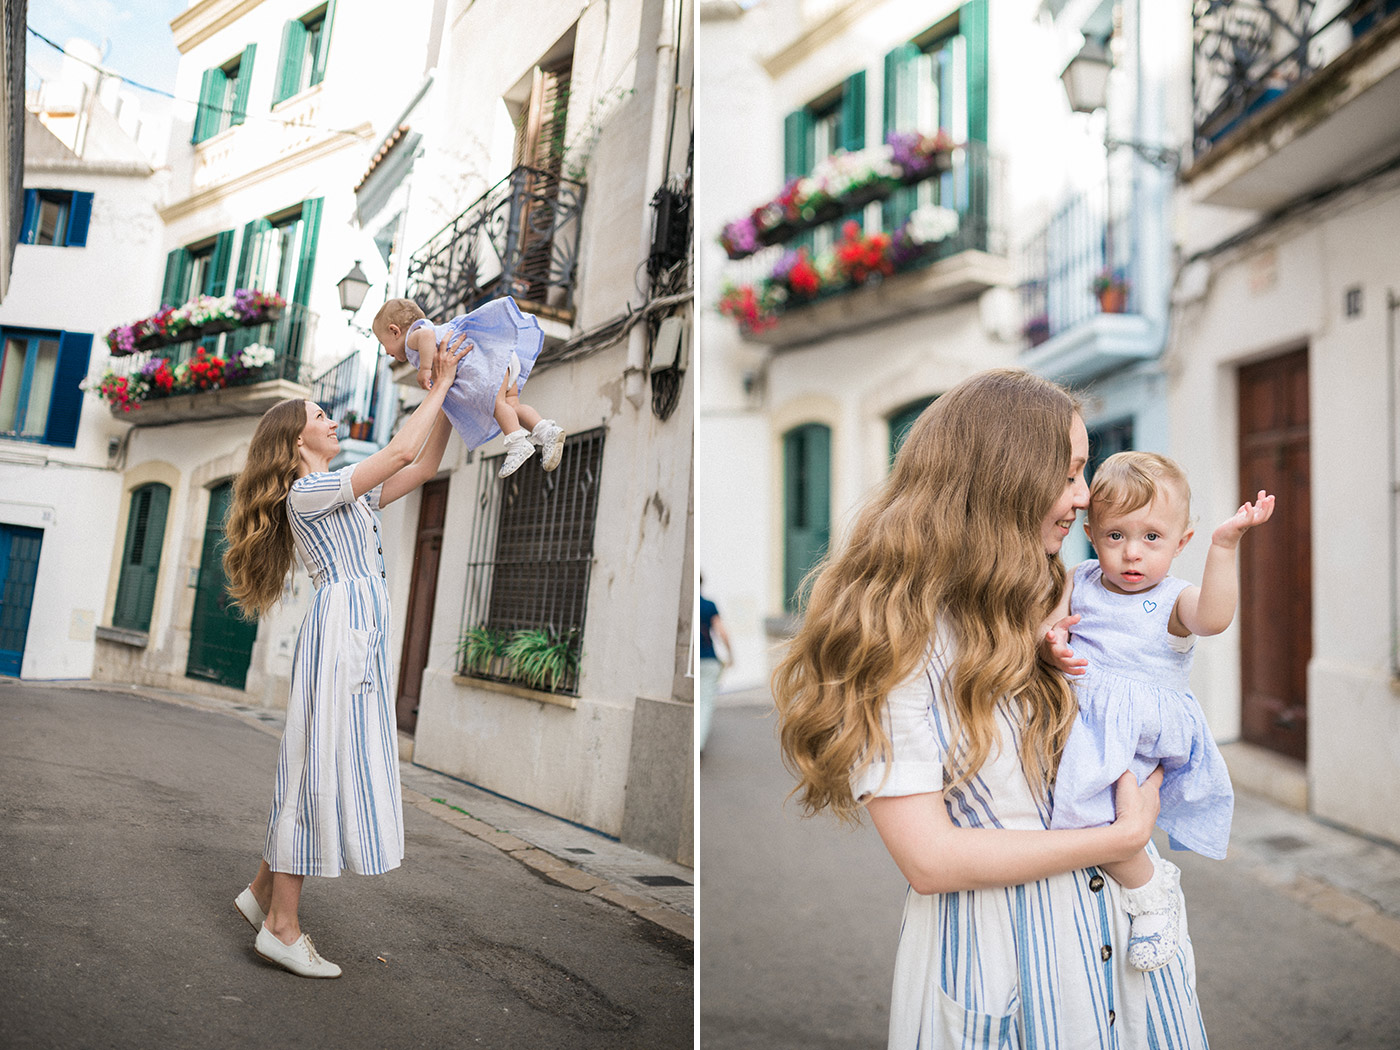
1250,53
348,391
1080,265
519,238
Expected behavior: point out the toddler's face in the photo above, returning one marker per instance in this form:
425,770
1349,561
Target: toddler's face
1136,549
391,338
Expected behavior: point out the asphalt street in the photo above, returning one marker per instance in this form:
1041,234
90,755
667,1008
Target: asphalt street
1294,934
128,826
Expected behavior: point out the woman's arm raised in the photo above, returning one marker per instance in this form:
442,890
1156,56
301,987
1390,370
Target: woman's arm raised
936,856
422,469
403,447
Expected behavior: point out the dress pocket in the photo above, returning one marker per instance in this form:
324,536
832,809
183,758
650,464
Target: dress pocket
978,1031
354,660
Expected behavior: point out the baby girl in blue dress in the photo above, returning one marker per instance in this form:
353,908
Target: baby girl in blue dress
1129,629
485,396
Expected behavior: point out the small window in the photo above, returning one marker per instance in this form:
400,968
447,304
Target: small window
40,399
305,46
532,556
58,218
223,96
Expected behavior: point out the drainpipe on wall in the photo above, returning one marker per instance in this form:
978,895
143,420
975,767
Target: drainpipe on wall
634,376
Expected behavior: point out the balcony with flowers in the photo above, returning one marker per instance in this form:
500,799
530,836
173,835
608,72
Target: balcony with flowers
1290,98
1080,305
211,358
865,236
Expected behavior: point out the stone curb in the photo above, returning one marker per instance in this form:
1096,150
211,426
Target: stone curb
553,868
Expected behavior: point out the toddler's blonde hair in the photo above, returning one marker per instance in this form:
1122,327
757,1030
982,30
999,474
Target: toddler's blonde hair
1129,481
402,312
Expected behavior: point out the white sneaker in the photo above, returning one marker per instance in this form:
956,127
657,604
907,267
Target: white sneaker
300,956
247,906
549,435
1155,909
519,448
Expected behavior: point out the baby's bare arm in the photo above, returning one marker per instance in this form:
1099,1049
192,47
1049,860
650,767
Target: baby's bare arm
423,342
1209,608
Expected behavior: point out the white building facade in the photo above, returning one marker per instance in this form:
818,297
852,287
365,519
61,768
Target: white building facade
554,166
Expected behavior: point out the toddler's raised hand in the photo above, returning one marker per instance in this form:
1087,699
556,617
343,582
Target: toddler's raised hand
1055,649
1228,533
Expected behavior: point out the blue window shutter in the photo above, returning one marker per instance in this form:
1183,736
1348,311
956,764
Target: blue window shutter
323,45
310,227
797,144
78,218
216,278
31,217
66,403
211,94
289,66
177,272
240,88
853,112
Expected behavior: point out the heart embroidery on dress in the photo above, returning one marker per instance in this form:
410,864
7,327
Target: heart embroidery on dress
1148,606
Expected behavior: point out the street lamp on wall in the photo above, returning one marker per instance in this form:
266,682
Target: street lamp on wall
352,288
1086,77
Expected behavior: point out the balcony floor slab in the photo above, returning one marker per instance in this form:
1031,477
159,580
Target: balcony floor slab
224,403
1096,345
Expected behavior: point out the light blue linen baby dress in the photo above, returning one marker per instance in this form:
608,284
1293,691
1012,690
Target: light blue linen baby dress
1136,712
497,330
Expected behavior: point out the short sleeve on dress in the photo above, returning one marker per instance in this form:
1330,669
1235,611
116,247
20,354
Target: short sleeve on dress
318,494
918,742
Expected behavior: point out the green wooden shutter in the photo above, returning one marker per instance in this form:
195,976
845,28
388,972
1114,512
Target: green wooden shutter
853,112
797,144
289,65
66,401
177,273
241,86
806,506
306,264
900,101
145,534
972,25
323,46
78,218
211,98
216,277
903,420
249,255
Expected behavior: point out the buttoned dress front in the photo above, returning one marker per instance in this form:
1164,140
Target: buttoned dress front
337,803
1042,964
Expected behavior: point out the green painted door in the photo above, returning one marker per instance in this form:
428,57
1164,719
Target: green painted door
221,641
806,506
903,420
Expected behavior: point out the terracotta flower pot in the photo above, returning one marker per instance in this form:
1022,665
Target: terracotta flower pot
1113,300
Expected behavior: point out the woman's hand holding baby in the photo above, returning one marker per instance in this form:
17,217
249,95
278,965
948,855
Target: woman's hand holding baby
444,363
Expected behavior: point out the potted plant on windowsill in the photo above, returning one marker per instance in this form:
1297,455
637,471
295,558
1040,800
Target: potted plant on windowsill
358,428
1111,287
541,659
482,652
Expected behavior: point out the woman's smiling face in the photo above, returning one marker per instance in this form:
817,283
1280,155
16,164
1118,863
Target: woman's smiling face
1075,496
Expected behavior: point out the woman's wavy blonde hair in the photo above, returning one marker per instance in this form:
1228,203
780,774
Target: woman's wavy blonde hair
259,535
950,543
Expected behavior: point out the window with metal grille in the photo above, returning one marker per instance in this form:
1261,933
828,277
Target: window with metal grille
527,581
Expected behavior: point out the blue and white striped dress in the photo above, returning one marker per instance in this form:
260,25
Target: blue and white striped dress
1038,965
337,804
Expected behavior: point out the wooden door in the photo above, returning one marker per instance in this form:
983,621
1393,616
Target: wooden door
1276,559
19,568
422,595
221,641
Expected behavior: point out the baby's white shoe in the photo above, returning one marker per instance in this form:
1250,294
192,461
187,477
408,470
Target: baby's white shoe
519,448
549,435
1155,908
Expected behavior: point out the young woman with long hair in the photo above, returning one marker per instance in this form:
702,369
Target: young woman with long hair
336,804
914,689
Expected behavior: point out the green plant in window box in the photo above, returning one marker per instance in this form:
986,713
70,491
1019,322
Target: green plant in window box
482,651
541,659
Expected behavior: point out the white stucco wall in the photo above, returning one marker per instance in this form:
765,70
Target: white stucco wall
1282,291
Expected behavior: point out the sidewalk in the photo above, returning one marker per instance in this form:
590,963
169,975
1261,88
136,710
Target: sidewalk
660,891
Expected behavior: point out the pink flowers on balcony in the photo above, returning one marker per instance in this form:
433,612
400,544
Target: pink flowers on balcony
202,315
